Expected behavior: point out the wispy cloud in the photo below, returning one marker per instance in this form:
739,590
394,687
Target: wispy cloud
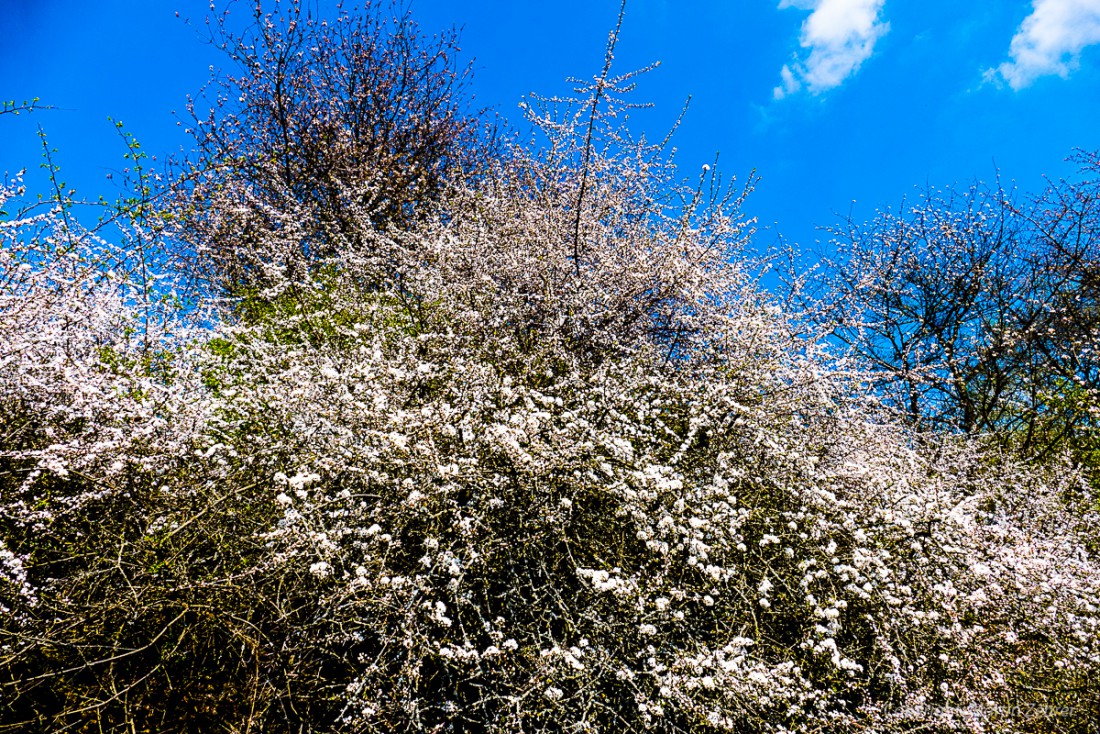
1049,41
838,36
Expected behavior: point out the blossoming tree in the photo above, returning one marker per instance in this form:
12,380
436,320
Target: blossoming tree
544,459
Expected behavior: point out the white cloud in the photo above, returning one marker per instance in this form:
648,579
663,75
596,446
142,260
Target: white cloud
838,36
1050,40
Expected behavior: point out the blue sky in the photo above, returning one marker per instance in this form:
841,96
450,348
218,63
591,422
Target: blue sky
839,105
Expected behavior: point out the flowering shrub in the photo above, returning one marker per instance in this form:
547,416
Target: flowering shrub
545,460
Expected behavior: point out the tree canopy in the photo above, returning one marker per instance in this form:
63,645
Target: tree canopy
975,311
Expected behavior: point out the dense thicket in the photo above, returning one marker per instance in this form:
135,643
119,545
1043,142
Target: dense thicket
540,458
